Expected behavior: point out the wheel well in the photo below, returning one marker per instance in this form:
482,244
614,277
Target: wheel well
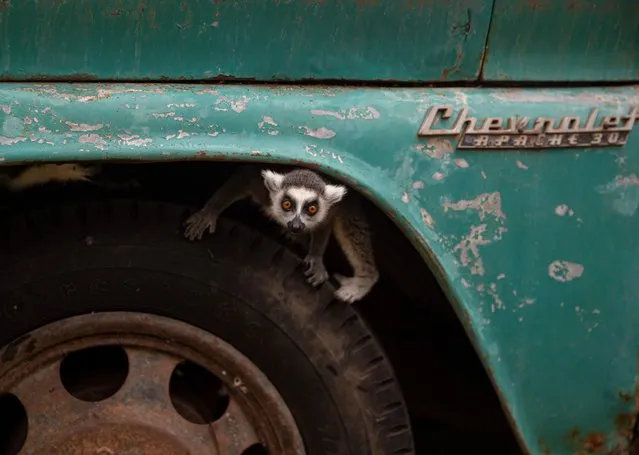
446,388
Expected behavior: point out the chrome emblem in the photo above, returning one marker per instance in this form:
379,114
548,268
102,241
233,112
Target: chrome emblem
520,132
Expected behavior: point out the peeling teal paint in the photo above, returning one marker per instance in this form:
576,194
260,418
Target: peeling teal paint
538,249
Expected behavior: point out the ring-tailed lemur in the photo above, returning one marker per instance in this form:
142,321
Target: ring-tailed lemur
303,203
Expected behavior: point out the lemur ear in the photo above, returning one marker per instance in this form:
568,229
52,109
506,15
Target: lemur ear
334,193
272,180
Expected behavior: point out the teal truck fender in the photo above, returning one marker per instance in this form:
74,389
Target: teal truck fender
536,248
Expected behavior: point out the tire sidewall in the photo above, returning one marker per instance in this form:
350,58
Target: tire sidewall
236,284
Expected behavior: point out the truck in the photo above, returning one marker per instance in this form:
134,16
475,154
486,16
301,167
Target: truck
459,123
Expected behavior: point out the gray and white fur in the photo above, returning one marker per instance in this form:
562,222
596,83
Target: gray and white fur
303,203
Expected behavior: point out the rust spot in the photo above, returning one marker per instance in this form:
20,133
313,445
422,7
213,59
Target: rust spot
455,68
625,423
116,12
593,442
573,434
545,450
536,5
626,397
151,19
229,78
599,7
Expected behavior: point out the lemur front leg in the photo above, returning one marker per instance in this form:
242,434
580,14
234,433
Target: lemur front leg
354,236
235,188
314,260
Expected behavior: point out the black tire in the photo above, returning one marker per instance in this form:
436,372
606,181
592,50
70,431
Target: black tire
238,284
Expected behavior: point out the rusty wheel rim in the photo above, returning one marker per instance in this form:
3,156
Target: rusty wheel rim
136,394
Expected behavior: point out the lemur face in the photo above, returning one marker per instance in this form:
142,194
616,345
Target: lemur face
300,200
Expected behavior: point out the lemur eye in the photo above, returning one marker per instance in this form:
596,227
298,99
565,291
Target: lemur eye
286,204
311,209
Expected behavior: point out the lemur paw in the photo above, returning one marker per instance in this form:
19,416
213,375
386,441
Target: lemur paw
198,223
352,289
316,272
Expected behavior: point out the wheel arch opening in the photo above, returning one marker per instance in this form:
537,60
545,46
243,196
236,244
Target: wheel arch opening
412,309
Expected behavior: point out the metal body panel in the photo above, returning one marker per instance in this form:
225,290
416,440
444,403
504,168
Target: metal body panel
555,40
422,40
536,248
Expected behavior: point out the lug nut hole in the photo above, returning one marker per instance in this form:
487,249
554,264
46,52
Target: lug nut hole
94,374
197,394
13,424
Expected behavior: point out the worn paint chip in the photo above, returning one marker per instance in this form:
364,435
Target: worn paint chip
436,148
563,210
84,127
485,204
564,271
320,133
427,219
94,139
11,140
134,140
354,113
468,249
238,105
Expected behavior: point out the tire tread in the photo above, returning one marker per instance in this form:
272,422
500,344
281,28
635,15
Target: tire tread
378,391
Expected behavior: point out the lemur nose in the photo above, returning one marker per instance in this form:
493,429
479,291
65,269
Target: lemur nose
295,226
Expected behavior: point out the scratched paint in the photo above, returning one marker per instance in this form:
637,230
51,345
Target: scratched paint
597,43
527,280
217,40
623,192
